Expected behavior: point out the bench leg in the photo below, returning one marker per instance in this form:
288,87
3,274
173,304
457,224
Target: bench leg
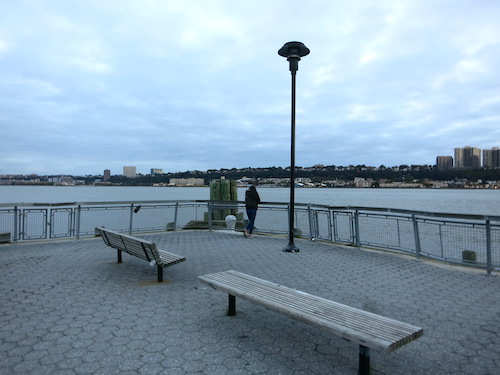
119,256
232,305
364,360
160,273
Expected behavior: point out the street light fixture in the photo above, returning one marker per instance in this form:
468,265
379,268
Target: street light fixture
293,51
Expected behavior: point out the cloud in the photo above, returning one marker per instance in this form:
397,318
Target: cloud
94,85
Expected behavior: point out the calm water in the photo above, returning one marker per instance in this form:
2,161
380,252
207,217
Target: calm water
480,202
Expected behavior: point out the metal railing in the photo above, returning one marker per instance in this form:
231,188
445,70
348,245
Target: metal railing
464,239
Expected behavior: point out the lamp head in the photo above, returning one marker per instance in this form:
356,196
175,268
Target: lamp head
293,51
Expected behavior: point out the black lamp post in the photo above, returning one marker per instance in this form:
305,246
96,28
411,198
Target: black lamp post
293,51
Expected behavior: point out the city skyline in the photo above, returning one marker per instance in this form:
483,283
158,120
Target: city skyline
450,163
470,157
199,85
446,161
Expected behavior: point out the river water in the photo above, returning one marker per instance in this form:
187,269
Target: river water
458,201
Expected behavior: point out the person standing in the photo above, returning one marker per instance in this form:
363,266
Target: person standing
252,201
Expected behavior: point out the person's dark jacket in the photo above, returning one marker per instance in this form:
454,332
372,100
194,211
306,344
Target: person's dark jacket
252,198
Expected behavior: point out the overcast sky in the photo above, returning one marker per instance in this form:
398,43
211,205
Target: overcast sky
185,85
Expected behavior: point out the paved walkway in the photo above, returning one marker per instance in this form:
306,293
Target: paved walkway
68,308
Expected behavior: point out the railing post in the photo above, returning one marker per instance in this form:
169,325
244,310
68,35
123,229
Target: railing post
131,219
22,223
399,233
417,236
71,217
209,215
16,223
72,225
333,232
312,233
489,265
78,220
441,244
357,240
175,215
316,223
329,226
49,223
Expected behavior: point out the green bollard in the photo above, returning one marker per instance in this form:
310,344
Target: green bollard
225,196
223,191
234,196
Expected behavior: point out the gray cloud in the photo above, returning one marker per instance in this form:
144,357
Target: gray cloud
93,85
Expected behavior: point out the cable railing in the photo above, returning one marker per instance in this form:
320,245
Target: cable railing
472,240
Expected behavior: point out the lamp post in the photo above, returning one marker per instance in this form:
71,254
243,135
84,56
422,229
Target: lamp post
293,51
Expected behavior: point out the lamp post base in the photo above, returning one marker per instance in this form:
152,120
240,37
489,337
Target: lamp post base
291,248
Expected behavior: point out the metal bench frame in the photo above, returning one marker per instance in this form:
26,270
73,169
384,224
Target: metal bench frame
140,248
369,330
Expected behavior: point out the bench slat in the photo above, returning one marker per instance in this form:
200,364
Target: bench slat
365,328
138,249
168,259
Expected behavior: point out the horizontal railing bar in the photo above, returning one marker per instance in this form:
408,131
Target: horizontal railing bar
128,203
281,204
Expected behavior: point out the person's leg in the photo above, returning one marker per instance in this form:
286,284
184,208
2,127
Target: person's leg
245,230
254,215
251,213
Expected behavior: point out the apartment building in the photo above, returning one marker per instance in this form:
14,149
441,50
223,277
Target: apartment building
467,157
130,172
444,163
491,158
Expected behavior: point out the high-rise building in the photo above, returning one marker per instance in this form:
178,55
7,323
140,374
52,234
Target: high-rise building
491,158
496,157
467,157
488,158
107,175
130,172
444,163
156,171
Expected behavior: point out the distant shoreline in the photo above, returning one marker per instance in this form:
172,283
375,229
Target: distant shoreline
465,187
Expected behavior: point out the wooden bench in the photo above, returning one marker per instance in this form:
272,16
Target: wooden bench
369,330
140,248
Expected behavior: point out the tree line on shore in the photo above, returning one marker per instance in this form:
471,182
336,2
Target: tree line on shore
317,174
402,173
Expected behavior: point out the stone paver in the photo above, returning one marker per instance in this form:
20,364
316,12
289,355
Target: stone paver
68,308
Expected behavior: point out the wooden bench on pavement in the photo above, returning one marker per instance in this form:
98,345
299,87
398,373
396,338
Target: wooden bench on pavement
140,248
369,330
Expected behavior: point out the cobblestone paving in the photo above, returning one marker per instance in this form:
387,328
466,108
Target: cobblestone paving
69,308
